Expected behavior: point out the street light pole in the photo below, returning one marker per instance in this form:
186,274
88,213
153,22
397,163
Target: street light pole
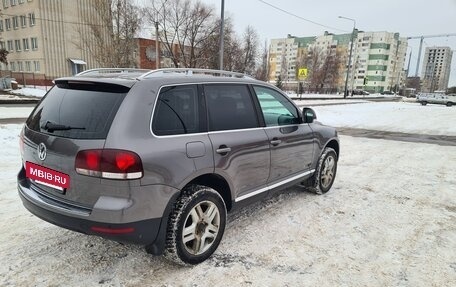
350,56
222,23
157,51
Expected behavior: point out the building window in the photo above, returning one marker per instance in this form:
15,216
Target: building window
17,43
23,21
25,43
15,22
34,43
10,45
21,1
32,19
20,66
5,3
8,24
1,25
13,2
28,66
2,44
13,66
37,65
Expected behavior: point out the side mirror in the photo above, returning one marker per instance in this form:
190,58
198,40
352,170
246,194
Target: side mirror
308,115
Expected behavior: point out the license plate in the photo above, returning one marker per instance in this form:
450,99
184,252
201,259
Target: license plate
47,176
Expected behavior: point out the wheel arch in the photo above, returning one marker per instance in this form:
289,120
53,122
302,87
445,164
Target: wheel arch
218,183
334,144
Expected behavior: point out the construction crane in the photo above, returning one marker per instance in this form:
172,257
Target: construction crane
421,46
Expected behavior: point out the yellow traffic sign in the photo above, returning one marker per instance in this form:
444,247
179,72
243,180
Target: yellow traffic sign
302,73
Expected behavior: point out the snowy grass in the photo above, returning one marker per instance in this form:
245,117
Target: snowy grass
38,92
391,116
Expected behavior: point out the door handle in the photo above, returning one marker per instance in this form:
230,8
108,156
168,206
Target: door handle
275,142
223,150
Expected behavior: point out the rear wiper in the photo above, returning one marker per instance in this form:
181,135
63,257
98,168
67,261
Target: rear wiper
51,127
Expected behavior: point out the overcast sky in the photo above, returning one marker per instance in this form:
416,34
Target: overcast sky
408,17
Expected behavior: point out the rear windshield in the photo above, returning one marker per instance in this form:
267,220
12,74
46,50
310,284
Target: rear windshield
77,110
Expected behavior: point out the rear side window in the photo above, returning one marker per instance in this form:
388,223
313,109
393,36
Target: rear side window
177,111
230,107
78,110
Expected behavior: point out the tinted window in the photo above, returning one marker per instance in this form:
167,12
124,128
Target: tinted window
277,109
79,110
230,107
176,111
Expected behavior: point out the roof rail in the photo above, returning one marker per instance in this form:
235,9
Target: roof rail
192,71
111,71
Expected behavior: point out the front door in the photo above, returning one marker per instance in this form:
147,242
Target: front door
290,140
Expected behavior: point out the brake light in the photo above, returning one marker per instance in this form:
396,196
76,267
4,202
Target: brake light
109,163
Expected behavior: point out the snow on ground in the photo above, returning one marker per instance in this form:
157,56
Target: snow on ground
391,116
7,112
38,91
389,220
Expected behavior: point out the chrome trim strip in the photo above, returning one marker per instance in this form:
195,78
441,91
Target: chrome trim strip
50,204
273,186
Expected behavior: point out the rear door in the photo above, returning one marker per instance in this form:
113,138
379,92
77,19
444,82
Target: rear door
291,141
73,116
240,146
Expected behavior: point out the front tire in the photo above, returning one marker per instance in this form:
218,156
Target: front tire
323,178
449,104
423,103
196,225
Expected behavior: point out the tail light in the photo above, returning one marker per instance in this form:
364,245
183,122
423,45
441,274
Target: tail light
109,163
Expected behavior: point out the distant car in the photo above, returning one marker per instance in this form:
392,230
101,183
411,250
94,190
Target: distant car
360,92
436,98
387,93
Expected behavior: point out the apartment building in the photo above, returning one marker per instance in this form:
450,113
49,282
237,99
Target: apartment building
377,62
45,36
436,68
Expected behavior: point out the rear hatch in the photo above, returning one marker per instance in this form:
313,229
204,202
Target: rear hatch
73,116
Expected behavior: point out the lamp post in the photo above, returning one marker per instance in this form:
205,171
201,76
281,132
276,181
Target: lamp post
222,23
350,56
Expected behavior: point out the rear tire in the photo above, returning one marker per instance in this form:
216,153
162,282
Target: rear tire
423,103
323,178
449,104
196,225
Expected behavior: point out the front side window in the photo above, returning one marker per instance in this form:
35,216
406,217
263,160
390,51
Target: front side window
277,109
177,111
230,107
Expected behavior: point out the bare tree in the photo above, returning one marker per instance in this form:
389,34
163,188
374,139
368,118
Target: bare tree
262,70
323,68
185,25
113,25
249,50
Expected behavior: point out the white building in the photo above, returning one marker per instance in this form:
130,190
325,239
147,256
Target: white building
377,62
436,68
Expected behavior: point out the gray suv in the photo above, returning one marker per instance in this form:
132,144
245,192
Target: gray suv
158,157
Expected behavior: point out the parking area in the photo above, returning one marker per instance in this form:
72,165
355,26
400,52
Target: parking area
390,220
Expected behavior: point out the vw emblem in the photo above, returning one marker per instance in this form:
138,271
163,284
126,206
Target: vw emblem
41,151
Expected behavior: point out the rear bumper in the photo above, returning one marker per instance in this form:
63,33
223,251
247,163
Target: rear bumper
141,232
137,224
